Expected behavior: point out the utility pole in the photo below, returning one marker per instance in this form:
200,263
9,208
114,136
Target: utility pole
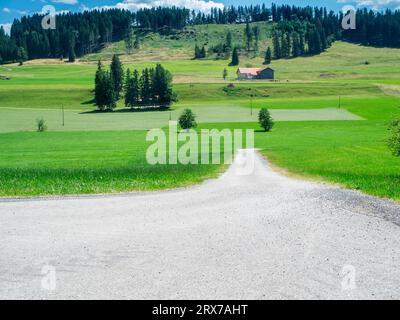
63,117
251,105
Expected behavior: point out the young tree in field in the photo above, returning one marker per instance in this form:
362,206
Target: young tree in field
268,56
225,74
235,58
394,139
187,119
117,74
41,125
265,120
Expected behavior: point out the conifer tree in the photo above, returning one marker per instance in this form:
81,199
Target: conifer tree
268,56
235,57
117,74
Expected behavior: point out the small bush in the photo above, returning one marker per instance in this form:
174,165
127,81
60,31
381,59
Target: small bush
265,120
187,119
41,125
394,138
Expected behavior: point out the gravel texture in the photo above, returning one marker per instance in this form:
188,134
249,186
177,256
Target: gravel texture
257,236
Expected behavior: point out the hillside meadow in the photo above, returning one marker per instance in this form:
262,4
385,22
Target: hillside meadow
332,112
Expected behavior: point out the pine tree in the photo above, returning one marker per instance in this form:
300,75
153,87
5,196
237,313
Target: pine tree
98,89
268,56
197,52
235,58
249,37
145,87
132,89
228,44
162,87
117,74
136,44
277,46
296,44
256,32
109,93
203,52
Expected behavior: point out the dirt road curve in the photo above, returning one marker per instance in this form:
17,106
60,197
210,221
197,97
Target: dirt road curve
255,236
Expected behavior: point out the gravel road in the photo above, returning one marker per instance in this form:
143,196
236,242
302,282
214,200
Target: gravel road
257,236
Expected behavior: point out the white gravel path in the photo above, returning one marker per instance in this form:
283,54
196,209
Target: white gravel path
260,236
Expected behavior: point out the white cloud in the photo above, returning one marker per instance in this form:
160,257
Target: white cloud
71,2
198,5
6,10
6,27
374,4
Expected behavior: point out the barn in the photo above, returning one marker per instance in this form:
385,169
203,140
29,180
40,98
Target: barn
255,73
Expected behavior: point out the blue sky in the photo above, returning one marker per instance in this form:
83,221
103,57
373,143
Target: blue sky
10,9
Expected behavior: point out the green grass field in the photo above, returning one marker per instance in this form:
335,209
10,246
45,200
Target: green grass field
98,153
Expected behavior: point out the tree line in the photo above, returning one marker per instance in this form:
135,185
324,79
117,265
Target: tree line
152,87
78,34
375,29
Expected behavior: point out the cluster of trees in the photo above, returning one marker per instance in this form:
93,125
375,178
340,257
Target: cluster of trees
375,29
9,50
76,33
200,53
296,38
252,36
153,87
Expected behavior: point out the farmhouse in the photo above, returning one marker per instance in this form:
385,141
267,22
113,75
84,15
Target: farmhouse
255,73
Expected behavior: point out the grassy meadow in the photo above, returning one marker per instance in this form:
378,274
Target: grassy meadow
315,136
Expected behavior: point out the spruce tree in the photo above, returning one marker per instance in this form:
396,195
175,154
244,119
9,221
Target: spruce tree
277,46
268,56
235,57
117,74
249,37
145,87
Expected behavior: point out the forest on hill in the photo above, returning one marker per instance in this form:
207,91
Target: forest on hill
303,30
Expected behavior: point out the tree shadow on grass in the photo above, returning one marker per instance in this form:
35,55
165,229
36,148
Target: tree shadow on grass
130,110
